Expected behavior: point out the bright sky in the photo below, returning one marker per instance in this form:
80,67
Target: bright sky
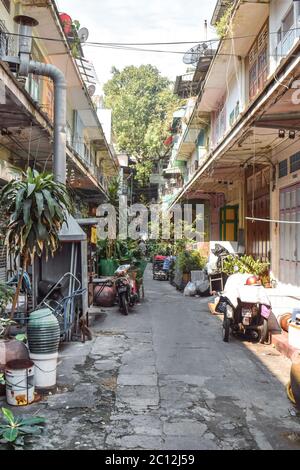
140,21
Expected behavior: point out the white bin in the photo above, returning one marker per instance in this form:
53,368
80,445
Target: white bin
19,377
45,370
294,335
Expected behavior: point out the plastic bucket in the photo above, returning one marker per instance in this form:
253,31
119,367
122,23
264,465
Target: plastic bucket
19,377
45,370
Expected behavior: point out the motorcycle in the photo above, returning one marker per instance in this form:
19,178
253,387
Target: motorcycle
246,309
126,288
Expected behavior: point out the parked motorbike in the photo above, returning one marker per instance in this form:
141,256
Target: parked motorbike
246,309
126,288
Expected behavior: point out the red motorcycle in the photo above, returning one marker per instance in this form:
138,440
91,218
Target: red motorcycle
126,288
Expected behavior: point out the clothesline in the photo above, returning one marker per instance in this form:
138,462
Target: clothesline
255,219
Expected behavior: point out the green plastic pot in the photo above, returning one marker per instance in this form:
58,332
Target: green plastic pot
107,267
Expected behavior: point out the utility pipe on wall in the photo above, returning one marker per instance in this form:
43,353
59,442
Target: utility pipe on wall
60,115
27,66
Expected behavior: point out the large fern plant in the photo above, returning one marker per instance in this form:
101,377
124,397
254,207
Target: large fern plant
36,207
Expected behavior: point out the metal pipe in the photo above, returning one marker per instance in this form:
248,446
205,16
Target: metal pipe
60,115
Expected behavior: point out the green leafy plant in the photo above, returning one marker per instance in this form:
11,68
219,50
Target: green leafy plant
188,261
6,296
223,24
5,323
246,264
37,207
2,379
13,429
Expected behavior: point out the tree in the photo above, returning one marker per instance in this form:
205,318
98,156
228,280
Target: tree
37,207
143,104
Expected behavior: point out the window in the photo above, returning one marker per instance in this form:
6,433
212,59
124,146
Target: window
283,168
295,162
6,3
258,63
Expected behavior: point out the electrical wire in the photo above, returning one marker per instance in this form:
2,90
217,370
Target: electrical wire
229,38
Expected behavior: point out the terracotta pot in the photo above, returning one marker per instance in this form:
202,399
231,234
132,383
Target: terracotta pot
284,321
295,381
11,350
106,298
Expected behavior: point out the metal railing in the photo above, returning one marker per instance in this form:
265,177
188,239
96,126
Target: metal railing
287,43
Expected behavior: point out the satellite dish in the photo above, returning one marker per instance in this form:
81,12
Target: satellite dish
91,90
193,55
83,34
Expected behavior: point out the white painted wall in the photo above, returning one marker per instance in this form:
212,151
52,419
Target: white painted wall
278,10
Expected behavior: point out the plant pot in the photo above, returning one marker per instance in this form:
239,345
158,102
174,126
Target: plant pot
107,267
295,382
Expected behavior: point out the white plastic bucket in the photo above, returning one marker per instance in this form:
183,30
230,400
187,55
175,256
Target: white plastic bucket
19,377
45,370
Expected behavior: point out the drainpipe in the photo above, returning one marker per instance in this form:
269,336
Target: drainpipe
60,115
27,66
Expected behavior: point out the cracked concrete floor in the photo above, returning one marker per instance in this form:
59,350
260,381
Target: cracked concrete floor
162,378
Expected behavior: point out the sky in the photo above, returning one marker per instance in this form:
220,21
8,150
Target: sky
140,21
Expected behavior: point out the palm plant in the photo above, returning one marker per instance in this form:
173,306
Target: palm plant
36,207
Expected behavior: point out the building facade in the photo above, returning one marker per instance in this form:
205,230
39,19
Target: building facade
240,137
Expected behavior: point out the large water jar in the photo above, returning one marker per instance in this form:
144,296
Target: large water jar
43,332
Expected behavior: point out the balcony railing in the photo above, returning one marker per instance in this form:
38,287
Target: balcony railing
287,43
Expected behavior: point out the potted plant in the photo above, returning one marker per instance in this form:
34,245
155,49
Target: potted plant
247,264
188,261
36,207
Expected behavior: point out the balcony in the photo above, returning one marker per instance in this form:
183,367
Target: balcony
287,43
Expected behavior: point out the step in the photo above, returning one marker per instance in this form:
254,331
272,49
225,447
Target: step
281,342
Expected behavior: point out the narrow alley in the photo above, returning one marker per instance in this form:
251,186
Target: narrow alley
162,378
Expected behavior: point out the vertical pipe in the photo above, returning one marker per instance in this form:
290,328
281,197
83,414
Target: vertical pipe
60,115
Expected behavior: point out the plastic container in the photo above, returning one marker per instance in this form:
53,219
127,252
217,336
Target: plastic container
294,335
45,370
43,332
19,377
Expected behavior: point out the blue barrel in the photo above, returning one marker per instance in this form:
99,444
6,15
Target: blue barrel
43,332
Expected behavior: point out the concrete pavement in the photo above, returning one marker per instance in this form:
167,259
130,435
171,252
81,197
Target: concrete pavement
162,378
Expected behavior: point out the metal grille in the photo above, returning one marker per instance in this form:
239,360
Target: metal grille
8,44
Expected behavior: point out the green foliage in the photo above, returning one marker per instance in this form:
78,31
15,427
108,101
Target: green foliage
123,251
6,296
143,104
113,192
13,429
245,264
37,206
4,324
223,24
2,379
188,261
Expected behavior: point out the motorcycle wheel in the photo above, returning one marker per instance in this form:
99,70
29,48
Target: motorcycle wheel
226,329
124,304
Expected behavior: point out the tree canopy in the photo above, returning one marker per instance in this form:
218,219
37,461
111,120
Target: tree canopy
143,104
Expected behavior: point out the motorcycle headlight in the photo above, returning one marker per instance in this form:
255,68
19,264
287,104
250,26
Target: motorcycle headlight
229,311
